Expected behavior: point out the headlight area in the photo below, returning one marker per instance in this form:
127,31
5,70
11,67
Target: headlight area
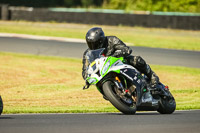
105,68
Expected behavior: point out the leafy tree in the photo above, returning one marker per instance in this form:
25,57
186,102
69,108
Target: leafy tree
154,5
72,3
87,3
138,5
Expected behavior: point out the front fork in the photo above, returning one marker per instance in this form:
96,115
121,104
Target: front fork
125,91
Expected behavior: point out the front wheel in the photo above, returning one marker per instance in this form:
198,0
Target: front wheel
109,90
1,105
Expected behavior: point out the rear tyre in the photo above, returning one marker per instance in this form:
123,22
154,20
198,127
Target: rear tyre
1,105
167,105
108,89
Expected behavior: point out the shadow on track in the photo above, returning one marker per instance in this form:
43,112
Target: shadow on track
142,113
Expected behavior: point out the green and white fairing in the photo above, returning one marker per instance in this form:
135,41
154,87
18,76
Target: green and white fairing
99,66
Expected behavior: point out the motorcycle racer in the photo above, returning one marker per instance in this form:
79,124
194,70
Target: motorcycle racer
96,39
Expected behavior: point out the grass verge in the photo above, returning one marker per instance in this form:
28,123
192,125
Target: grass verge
137,36
42,84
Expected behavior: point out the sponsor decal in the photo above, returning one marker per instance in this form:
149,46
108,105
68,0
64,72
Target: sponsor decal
125,70
135,78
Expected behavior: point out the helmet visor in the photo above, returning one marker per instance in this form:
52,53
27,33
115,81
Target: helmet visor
95,45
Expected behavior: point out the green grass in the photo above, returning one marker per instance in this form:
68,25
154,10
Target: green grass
45,84
137,36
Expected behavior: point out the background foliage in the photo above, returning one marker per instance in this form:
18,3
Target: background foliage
139,5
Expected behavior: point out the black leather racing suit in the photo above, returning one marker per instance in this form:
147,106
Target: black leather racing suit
115,47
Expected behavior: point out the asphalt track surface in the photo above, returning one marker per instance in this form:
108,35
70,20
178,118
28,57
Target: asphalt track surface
148,122
75,50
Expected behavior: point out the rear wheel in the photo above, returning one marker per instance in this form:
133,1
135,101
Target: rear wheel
109,90
167,105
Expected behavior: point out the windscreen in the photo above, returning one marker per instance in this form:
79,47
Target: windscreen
94,54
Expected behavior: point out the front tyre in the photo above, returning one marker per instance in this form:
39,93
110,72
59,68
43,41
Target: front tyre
109,91
1,105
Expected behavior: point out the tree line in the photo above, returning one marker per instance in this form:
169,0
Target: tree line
138,5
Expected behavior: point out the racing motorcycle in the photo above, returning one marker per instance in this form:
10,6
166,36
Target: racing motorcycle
125,87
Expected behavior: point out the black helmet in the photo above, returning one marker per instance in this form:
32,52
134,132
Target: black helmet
95,38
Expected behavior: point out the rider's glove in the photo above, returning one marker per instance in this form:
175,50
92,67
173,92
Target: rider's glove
118,53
